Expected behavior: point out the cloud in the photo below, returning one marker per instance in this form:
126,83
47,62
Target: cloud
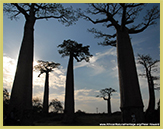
9,68
86,92
38,81
56,78
98,62
86,100
38,91
114,72
138,41
56,84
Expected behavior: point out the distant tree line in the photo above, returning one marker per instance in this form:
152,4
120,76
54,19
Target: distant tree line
55,106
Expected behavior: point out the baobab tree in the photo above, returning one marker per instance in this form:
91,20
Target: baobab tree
122,17
21,95
106,95
79,52
150,66
46,67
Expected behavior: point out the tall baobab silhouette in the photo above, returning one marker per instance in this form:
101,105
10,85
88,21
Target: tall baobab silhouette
150,66
122,17
21,95
106,95
79,52
46,67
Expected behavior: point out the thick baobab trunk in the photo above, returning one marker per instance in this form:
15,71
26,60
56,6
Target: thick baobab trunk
131,100
46,94
21,95
69,95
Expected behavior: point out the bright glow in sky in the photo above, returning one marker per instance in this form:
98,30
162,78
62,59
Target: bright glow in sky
101,72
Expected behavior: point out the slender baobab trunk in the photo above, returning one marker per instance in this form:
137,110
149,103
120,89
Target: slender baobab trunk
151,105
131,100
46,94
109,106
69,95
21,95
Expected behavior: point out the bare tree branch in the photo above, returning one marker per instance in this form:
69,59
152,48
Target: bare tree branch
133,31
134,5
149,19
109,25
108,43
97,21
104,10
21,10
99,34
47,17
38,11
148,63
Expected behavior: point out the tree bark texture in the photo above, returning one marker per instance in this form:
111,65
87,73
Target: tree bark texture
21,95
46,94
131,100
69,95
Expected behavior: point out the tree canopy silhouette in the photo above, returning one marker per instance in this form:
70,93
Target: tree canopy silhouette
21,95
46,67
150,66
79,52
38,11
6,100
122,17
56,106
106,95
37,105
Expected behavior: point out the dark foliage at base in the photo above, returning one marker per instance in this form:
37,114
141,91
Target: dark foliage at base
81,119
